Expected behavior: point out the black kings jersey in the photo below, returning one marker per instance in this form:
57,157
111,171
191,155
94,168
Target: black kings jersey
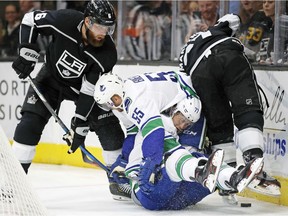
200,44
71,63
67,57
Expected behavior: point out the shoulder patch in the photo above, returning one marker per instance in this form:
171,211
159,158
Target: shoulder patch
127,103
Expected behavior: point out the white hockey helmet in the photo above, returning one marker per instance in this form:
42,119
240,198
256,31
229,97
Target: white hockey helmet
190,107
108,85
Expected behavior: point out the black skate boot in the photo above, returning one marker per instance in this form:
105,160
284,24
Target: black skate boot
244,174
265,184
120,191
207,175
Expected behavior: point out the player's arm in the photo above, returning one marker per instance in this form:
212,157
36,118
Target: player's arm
100,63
28,50
79,123
37,22
145,115
150,124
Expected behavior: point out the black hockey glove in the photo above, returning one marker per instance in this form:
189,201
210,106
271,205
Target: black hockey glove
77,134
27,59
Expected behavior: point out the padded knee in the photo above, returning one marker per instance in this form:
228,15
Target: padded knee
29,129
249,119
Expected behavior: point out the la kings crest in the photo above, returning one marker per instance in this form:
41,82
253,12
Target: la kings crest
69,66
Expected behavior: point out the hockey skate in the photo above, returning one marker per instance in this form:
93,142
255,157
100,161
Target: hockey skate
265,184
244,175
207,175
121,192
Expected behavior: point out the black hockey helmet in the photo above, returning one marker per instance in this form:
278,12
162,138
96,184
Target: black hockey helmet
101,12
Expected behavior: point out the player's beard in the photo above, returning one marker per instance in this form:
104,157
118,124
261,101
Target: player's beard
96,41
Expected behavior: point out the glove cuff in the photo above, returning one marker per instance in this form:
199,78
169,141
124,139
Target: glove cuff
82,130
79,126
30,52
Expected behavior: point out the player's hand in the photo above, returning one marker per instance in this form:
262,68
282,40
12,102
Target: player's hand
148,175
77,134
117,171
27,59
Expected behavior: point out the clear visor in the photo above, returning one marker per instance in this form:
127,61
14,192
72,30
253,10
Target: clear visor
183,121
96,28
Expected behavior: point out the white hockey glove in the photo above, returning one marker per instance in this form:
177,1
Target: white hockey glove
27,59
77,134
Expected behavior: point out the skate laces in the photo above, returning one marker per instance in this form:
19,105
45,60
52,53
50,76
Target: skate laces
125,188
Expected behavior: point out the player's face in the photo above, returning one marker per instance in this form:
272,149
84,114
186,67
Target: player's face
97,32
180,122
116,103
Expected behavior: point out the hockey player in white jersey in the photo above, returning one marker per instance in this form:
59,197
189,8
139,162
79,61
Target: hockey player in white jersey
155,107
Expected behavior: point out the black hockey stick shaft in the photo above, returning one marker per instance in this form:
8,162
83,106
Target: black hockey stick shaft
85,152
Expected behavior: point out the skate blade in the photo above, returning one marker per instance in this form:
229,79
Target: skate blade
255,169
120,198
231,199
270,190
212,178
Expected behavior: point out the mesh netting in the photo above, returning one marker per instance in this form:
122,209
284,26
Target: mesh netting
16,195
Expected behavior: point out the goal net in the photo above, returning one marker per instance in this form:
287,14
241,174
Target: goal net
16,194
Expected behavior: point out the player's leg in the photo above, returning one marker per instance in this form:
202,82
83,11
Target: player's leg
111,136
189,193
29,130
26,137
34,118
207,80
248,116
160,197
181,165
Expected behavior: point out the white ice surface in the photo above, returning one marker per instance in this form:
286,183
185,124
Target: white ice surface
72,191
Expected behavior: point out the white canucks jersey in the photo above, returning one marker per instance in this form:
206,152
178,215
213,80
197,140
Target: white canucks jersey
146,96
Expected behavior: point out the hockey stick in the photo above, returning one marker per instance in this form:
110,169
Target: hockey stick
84,151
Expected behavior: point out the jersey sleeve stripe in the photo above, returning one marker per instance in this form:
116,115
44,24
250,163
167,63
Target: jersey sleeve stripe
151,125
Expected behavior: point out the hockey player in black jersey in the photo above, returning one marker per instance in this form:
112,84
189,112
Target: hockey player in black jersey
226,84
81,50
